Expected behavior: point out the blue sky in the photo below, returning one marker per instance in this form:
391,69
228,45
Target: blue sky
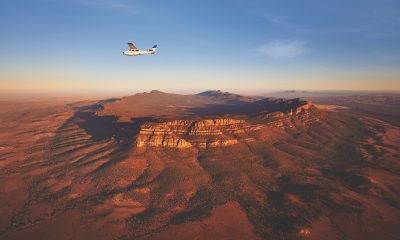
252,45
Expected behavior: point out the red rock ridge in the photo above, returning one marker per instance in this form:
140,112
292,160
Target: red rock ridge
217,132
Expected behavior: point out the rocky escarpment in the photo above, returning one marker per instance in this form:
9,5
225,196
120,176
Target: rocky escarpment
194,133
305,114
219,132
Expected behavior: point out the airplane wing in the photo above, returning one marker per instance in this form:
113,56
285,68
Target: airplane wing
132,46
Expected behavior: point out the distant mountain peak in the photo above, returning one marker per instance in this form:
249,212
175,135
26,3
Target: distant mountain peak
155,91
212,93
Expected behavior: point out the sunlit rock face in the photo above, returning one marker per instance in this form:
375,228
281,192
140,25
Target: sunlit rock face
218,132
191,133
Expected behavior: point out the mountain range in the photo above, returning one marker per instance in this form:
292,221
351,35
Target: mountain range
213,165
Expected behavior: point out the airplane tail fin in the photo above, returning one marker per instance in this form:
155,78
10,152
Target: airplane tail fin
153,49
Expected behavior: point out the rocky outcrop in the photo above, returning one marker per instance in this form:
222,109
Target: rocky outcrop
302,108
161,139
305,112
193,133
218,132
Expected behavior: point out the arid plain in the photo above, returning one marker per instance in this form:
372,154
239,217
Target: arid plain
212,165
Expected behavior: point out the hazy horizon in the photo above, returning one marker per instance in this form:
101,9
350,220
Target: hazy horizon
93,95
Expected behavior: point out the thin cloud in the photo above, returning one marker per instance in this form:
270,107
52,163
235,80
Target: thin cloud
283,49
107,5
331,30
275,19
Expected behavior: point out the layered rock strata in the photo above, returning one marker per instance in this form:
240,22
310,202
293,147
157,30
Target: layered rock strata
193,133
217,132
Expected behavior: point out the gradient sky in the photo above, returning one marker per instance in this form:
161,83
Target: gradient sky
250,45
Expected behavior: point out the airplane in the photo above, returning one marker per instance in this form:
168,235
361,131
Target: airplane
134,51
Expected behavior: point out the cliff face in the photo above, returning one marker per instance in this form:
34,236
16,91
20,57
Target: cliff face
193,133
305,114
219,132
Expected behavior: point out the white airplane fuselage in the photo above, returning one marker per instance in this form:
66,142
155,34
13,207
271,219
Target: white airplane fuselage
137,52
